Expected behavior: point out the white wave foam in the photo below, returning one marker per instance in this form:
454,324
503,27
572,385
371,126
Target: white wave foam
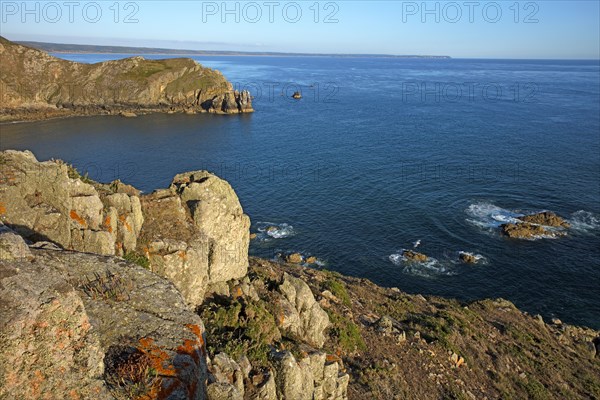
489,215
271,230
584,221
428,269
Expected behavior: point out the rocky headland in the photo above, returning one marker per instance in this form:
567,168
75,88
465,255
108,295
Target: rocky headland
107,293
35,85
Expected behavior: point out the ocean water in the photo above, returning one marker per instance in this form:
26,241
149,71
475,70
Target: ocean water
381,153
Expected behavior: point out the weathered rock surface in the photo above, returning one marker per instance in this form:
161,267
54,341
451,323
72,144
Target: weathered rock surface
76,325
467,258
414,256
546,218
196,234
544,224
48,201
311,378
12,246
37,84
301,315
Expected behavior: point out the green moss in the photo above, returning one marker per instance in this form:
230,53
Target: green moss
347,333
338,289
138,259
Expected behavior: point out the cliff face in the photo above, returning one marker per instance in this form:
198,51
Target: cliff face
35,83
194,233
107,293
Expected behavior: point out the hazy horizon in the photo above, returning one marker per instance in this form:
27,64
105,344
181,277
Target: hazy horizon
488,30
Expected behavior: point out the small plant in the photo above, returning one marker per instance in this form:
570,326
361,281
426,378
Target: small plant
347,333
108,287
130,374
138,259
338,290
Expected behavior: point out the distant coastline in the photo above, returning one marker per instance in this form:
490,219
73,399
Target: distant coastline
93,49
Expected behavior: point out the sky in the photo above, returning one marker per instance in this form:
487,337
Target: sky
462,29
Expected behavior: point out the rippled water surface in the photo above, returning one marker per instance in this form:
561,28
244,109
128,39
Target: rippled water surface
381,153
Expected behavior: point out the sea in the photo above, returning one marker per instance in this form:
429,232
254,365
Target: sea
382,155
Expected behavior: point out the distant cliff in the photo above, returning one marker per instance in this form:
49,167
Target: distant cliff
36,85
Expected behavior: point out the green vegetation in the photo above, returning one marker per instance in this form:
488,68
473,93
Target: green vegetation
338,289
238,327
347,333
74,174
138,259
109,286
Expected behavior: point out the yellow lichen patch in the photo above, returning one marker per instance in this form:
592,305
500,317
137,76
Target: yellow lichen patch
76,217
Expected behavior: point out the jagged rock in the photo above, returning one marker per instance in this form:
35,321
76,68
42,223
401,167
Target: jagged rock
546,218
37,85
536,225
311,260
294,258
87,316
300,314
196,233
42,203
12,246
414,256
232,102
467,258
385,325
294,379
223,391
310,378
267,390
226,371
525,230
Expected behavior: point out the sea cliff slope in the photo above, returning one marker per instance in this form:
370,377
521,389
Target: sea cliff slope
36,85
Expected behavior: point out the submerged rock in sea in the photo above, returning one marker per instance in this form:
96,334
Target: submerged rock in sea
414,256
297,95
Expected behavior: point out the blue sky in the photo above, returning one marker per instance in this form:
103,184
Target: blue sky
479,29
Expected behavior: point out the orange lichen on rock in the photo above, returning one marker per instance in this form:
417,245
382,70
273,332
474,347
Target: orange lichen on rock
182,254
76,217
2,209
123,220
107,224
159,359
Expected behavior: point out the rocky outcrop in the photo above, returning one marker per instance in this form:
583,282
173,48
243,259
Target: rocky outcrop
37,84
197,233
76,325
300,314
194,233
414,256
545,218
544,224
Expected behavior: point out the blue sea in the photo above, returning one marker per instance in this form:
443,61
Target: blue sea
379,154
